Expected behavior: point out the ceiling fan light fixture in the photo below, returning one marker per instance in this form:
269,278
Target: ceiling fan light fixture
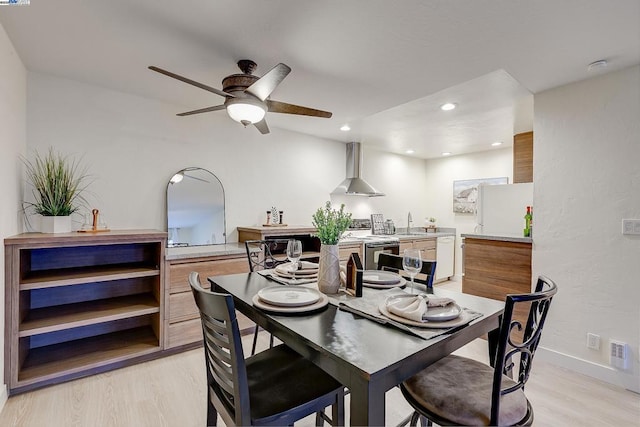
448,106
245,110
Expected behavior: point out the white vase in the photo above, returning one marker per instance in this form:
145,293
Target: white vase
55,224
329,269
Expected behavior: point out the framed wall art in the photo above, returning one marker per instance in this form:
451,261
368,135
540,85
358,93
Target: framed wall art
465,193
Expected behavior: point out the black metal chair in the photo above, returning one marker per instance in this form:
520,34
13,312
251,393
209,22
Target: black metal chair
260,254
275,387
393,262
461,391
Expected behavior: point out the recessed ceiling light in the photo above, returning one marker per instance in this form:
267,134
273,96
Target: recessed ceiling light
409,151
345,128
448,106
597,65
446,153
495,144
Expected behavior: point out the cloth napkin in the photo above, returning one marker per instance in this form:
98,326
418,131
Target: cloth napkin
414,307
307,265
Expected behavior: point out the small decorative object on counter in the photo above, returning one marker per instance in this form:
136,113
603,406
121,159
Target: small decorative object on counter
275,218
95,226
330,224
389,227
354,275
268,218
281,215
528,219
430,224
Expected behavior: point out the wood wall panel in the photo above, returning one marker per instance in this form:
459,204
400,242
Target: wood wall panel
523,157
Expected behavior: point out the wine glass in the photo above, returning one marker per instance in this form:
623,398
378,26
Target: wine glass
412,264
294,252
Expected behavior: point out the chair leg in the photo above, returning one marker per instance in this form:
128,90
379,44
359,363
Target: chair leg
212,414
337,409
270,341
255,340
414,419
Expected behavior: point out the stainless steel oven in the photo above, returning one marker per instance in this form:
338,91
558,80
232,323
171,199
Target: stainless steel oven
374,248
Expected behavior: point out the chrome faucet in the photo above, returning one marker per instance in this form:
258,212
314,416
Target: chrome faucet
409,221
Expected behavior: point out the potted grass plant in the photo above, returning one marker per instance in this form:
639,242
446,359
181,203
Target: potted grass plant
57,185
330,224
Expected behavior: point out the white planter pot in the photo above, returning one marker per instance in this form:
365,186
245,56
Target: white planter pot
329,269
55,224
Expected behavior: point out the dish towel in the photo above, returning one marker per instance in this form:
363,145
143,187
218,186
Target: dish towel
413,307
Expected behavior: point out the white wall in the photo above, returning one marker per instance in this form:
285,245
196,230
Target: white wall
403,181
587,179
134,145
13,96
440,174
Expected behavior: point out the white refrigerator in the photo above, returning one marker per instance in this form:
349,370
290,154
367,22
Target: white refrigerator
500,209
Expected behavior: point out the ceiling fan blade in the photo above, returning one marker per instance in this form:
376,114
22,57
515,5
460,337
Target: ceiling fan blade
191,82
202,110
267,83
283,107
262,126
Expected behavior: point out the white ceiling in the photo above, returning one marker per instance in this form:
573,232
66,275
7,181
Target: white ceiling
382,66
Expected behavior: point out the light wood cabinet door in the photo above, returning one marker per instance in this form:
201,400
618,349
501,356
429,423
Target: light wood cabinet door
427,248
182,318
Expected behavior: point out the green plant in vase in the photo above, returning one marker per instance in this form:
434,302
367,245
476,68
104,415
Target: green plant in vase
330,224
58,183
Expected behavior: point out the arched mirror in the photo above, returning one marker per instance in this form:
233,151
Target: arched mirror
195,209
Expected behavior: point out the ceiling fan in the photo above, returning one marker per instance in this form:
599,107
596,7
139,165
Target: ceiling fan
247,96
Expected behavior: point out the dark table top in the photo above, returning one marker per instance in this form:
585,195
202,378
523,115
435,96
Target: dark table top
351,344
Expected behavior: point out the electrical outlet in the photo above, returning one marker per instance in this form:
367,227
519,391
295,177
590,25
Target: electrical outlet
593,341
619,354
631,226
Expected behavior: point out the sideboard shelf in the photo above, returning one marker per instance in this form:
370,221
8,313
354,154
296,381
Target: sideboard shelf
78,276
79,304
55,361
57,318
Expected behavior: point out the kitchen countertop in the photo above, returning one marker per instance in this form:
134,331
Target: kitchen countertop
501,238
186,252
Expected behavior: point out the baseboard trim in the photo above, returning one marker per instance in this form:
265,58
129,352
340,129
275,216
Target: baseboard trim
3,396
595,370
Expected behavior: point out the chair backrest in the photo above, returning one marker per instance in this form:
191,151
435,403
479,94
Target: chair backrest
508,346
260,253
394,263
224,358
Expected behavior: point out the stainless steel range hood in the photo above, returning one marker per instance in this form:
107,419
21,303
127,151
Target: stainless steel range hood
354,185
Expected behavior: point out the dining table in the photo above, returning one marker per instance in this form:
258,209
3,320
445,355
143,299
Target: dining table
368,357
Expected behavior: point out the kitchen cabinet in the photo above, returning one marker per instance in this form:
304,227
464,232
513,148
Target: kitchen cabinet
346,249
523,157
78,304
495,267
182,322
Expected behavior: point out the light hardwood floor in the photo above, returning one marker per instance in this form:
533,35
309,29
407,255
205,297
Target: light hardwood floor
171,392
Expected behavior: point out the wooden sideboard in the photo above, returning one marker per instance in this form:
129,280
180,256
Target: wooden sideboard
182,320
81,303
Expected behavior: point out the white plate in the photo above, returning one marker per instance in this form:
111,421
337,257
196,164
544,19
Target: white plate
297,275
453,316
401,284
286,270
322,302
380,277
285,296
